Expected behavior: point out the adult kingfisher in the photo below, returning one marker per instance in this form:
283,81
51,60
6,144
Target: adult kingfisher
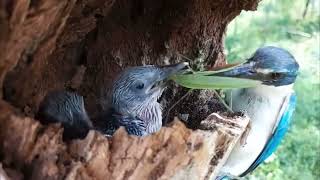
270,107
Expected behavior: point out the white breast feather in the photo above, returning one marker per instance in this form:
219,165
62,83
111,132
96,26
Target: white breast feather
262,105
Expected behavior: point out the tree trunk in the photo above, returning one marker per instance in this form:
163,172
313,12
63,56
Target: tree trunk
81,46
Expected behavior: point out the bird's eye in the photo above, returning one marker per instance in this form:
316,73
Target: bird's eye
275,75
140,86
252,71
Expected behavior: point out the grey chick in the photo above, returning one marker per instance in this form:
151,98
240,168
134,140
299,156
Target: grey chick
134,104
135,99
68,109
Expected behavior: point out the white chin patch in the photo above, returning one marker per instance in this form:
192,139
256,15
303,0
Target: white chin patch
264,71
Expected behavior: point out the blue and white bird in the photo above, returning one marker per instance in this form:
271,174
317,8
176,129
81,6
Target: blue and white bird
270,107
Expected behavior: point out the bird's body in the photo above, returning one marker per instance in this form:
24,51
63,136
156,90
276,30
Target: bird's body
68,109
270,107
265,105
148,113
135,97
109,121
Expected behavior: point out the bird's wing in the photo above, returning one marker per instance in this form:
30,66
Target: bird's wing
109,121
106,122
280,130
134,126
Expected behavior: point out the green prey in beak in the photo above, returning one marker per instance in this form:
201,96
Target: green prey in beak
215,79
268,66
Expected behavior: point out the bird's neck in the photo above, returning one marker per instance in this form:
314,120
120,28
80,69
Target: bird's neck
151,114
271,91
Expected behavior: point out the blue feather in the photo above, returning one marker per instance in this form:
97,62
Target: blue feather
223,177
276,137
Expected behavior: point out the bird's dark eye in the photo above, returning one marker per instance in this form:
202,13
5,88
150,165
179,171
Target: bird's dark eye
252,71
140,86
153,86
275,75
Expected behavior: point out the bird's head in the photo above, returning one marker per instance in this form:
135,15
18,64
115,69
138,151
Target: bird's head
68,109
138,88
272,65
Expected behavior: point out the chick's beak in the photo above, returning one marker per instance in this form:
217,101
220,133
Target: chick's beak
169,70
166,72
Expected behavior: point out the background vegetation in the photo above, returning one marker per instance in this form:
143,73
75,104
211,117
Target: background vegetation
295,26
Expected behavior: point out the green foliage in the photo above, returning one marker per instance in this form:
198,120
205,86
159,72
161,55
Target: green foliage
280,23
274,21
208,80
201,81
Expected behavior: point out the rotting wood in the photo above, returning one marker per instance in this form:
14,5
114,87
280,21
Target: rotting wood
27,26
173,153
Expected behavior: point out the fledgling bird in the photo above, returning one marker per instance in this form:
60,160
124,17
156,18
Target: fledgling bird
134,104
68,109
270,107
135,99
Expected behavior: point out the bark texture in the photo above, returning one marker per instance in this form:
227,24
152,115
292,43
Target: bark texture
175,152
81,45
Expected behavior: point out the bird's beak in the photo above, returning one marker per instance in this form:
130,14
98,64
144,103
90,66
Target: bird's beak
165,72
169,70
245,71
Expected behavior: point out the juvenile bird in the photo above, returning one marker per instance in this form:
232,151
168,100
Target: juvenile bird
135,99
135,106
270,107
68,109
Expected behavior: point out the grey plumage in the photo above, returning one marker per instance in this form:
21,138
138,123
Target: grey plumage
109,121
68,109
135,94
134,104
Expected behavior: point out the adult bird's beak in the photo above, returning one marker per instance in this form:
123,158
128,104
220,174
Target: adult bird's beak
244,70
